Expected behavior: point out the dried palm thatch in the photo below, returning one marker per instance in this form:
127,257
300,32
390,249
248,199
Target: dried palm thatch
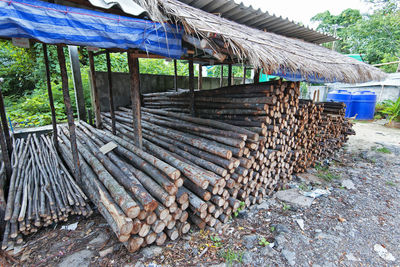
263,49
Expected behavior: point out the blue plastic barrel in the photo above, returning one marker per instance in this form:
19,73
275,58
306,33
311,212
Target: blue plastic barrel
363,104
341,96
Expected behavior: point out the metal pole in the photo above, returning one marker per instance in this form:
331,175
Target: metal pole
50,94
70,114
133,64
110,94
95,94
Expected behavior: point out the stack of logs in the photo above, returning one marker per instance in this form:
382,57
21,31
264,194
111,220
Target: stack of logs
138,194
41,190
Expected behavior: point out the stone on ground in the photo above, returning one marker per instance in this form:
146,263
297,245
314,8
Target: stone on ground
293,197
81,258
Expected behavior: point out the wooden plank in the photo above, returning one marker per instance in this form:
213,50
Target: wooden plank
5,122
133,64
175,76
70,114
110,93
50,95
95,94
229,74
77,79
244,75
256,75
221,77
191,86
200,78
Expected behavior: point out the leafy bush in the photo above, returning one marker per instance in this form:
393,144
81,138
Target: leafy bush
389,109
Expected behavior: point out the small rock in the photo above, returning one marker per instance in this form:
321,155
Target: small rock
268,251
280,228
152,251
242,214
247,258
294,197
290,256
348,184
280,240
300,222
327,236
99,240
80,258
219,265
106,251
263,205
249,241
351,257
383,253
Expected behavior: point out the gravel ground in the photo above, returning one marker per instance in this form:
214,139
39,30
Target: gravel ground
345,213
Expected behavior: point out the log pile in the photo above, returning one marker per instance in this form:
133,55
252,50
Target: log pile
41,190
139,195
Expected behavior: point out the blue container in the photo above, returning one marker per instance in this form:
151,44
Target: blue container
341,96
363,104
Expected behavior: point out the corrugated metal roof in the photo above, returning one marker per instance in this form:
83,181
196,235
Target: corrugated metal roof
258,19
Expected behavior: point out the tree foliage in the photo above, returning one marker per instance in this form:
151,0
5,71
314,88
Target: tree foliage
376,35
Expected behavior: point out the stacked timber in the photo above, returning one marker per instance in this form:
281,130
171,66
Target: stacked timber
138,194
41,190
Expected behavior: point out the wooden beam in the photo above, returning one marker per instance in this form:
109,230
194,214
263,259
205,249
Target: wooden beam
95,94
70,114
110,93
244,75
133,63
221,77
6,148
191,86
50,95
256,77
77,79
200,78
229,74
175,76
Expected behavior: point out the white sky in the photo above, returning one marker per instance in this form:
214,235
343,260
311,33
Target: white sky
304,10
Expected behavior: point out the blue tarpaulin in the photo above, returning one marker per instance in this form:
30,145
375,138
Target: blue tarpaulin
55,24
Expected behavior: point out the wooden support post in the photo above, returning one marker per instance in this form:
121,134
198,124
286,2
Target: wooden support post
244,75
6,149
110,93
229,74
221,77
256,75
133,64
191,85
5,122
77,79
50,95
200,78
95,94
175,76
70,114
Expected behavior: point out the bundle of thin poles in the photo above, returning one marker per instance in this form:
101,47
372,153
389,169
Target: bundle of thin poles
41,190
137,193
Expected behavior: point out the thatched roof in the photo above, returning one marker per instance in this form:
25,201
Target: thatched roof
263,49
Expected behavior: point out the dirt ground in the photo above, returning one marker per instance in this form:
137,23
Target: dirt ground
343,213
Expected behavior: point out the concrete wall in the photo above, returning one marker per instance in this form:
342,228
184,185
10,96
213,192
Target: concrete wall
148,83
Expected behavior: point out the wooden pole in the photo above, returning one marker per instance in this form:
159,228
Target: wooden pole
244,75
133,64
221,77
110,94
5,122
77,79
6,157
191,85
70,114
95,94
200,78
175,76
229,74
256,75
50,94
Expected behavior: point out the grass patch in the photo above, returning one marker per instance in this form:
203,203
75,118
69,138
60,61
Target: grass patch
323,172
231,256
383,150
390,183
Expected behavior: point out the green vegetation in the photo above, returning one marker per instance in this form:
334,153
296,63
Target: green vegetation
231,256
272,229
241,207
285,207
383,150
263,242
323,172
376,36
216,241
390,183
388,109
